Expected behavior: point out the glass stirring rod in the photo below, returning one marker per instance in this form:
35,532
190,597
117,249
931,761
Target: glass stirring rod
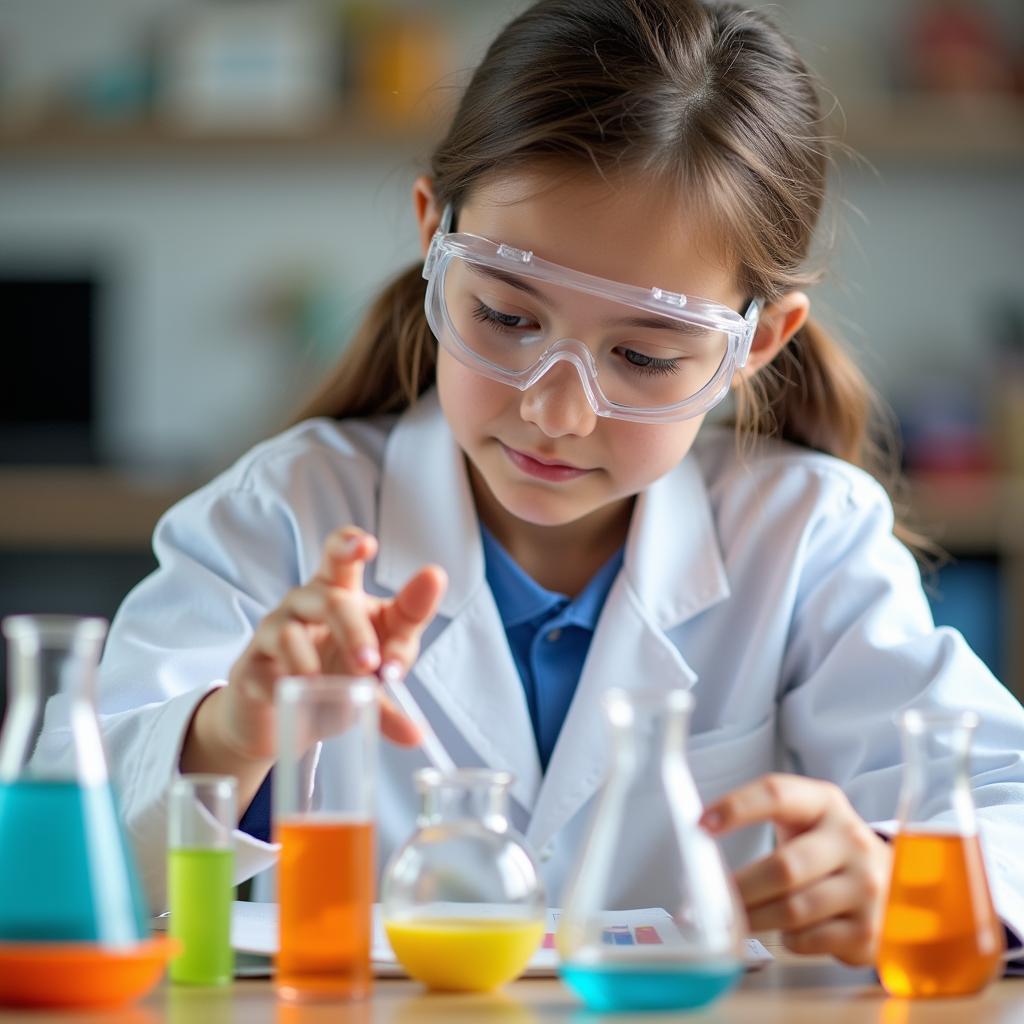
394,686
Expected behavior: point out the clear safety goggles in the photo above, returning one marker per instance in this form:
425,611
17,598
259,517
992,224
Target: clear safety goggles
650,355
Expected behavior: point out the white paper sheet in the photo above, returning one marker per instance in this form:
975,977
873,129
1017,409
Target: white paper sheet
254,930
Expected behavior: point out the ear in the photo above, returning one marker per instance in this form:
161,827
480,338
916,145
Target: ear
777,323
428,216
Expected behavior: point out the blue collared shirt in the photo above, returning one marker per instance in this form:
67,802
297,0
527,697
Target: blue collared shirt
549,635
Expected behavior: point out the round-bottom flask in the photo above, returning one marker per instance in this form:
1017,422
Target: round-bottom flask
462,899
671,939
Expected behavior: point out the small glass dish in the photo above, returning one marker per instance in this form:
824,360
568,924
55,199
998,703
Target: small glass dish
81,975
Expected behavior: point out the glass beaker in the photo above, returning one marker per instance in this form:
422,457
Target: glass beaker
940,933
202,815
462,899
67,871
627,939
324,823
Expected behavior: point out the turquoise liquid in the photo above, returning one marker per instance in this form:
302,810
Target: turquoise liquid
611,987
66,872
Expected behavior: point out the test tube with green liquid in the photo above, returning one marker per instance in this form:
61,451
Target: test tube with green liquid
200,877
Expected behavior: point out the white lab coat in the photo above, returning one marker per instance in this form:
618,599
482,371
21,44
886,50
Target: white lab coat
771,587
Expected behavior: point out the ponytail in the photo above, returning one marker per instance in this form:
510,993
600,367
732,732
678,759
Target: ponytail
814,395
390,360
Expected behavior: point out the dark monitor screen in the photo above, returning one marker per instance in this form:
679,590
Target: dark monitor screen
48,329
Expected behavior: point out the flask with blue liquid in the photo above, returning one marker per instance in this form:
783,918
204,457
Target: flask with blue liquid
689,949
67,871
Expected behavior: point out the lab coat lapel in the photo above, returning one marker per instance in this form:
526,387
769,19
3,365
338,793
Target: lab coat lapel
672,571
427,515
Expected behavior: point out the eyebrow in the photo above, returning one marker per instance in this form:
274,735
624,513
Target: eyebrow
655,323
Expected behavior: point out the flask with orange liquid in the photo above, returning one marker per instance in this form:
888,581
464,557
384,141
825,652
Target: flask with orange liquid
324,823
940,935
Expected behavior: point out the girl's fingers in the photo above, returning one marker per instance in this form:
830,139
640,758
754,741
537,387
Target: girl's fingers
352,632
851,939
300,652
793,865
395,725
345,553
838,895
794,802
344,613
403,619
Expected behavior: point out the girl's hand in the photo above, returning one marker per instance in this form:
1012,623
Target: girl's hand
329,625
824,886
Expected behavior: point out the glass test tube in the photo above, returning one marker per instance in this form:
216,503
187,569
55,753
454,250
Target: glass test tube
200,882
323,819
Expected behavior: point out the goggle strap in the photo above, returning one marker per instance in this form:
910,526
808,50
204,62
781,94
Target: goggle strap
751,316
435,243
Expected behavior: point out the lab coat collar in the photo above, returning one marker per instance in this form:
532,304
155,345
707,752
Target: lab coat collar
426,508
672,570
673,559
427,515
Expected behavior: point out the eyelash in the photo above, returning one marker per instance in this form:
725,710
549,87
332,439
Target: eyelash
651,368
486,315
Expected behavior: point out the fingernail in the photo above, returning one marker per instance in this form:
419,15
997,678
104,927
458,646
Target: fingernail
367,657
391,672
347,548
711,820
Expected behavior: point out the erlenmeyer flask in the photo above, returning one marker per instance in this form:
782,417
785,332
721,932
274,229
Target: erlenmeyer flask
940,935
66,869
628,939
462,900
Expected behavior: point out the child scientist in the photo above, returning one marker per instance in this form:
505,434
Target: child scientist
507,493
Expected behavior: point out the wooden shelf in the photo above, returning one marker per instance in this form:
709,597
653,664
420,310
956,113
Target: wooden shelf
961,131
350,133
94,509
970,514
91,506
82,507
949,132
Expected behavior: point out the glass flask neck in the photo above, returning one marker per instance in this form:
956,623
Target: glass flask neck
936,785
51,667
648,736
473,794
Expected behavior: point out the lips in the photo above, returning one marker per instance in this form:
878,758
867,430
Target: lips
543,468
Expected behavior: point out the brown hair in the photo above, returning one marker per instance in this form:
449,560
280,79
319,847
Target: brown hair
708,96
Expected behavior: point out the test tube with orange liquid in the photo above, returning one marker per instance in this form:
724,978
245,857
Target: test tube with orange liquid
940,934
324,823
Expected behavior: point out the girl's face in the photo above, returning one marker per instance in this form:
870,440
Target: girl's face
543,454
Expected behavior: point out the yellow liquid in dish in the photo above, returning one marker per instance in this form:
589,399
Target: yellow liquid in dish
463,953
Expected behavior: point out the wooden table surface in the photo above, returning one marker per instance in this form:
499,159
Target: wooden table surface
792,990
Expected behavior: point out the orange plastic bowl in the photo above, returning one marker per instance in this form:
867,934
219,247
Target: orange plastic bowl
80,975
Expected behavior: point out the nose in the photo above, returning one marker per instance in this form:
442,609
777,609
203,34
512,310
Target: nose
558,402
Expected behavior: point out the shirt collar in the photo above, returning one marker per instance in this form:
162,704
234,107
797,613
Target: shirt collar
521,599
518,596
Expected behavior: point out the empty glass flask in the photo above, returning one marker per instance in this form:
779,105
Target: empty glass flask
463,903
940,934
671,938
67,871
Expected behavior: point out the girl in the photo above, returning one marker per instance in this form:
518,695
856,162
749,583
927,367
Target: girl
507,493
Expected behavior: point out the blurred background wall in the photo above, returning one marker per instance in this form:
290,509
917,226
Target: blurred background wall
198,199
